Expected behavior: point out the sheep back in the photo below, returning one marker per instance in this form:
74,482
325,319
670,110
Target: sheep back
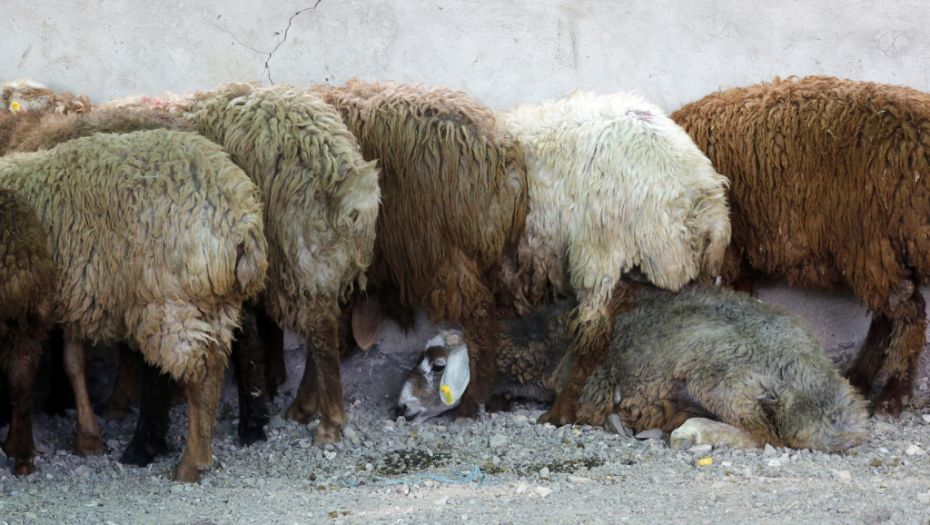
320,197
829,180
27,273
145,228
454,191
31,95
33,130
613,184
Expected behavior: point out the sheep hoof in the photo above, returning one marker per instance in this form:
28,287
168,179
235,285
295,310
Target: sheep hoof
187,474
87,445
24,468
326,434
297,415
556,417
252,432
142,452
891,405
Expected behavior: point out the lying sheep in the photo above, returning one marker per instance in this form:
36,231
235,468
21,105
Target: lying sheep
613,185
830,186
320,204
700,353
29,94
27,287
163,241
453,209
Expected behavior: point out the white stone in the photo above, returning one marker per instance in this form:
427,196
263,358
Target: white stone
543,491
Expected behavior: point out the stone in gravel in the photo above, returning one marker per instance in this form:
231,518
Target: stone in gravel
544,473
113,444
923,498
914,450
842,475
464,421
614,424
653,433
884,428
82,471
769,451
329,447
578,480
700,450
520,421
304,443
349,432
177,489
441,501
521,488
926,418
499,440
543,491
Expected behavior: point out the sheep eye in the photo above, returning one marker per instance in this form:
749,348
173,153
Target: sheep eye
439,367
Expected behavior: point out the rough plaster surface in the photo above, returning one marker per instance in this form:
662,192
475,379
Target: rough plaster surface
503,52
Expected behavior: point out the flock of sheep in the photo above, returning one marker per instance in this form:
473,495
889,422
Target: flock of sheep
577,244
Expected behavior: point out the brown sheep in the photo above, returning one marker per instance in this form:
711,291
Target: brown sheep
830,186
27,288
453,207
28,94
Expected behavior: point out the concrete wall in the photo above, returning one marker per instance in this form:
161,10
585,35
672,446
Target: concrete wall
500,51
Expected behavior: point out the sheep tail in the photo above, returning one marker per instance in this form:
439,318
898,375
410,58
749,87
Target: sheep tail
251,264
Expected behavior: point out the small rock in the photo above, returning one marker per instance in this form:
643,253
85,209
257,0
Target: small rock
329,447
304,443
113,444
82,471
842,475
543,491
464,421
441,501
653,433
498,441
578,480
614,424
926,418
496,460
520,421
177,489
544,473
914,450
576,432
349,432
923,498
31,516
521,488
884,428
700,450
769,451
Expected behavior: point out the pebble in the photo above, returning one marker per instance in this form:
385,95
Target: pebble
769,451
543,492
441,501
82,471
578,480
923,498
842,475
113,444
884,428
926,418
520,421
653,433
614,424
914,450
499,440
521,488
349,432
544,473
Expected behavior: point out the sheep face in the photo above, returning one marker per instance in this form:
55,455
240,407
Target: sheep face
828,421
421,397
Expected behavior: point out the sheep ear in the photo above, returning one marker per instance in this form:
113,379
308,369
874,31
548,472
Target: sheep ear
455,377
770,405
366,321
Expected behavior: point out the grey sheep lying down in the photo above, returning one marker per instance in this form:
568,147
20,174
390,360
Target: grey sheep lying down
701,353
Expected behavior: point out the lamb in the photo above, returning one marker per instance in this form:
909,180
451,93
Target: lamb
320,201
162,244
700,353
614,185
29,94
830,186
453,209
27,286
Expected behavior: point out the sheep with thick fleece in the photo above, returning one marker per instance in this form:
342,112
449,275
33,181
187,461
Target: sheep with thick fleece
453,209
320,205
30,95
699,353
614,184
27,288
830,186
158,238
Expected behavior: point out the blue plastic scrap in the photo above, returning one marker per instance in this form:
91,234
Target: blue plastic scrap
476,475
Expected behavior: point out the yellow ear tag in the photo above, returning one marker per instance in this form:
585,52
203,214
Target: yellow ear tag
14,106
705,462
447,393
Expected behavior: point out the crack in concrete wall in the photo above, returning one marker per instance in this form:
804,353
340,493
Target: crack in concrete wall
286,29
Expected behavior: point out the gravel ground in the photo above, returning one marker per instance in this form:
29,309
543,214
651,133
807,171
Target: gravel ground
534,473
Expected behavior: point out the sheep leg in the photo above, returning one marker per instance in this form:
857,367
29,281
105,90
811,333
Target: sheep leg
203,401
248,360
273,336
305,404
590,348
20,364
87,435
869,360
126,389
154,410
701,431
902,355
482,337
